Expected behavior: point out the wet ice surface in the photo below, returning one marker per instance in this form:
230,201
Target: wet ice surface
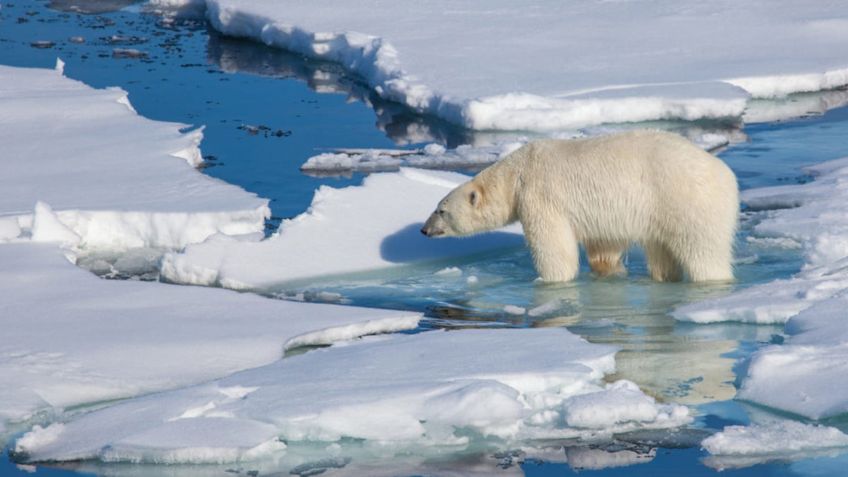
493,290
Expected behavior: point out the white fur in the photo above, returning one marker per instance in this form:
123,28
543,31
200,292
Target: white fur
652,188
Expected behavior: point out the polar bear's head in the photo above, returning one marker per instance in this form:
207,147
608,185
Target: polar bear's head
466,210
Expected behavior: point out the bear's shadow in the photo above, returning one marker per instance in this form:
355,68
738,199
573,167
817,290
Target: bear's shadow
409,244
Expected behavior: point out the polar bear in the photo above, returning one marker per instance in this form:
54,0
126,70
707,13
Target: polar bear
651,188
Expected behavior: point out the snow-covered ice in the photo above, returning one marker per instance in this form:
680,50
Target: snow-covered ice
83,171
466,156
105,176
557,65
774,438
804,375
70,338
432,156
358,228
399,392
744,446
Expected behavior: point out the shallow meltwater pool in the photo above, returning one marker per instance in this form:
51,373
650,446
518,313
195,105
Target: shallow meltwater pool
244,93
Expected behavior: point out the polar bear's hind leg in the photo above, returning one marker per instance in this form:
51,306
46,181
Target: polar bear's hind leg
605,257
662,265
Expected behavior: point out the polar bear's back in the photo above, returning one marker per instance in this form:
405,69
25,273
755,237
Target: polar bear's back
639,184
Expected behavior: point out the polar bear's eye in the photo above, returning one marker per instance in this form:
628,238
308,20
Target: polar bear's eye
441,212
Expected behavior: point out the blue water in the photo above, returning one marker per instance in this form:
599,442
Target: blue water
191,75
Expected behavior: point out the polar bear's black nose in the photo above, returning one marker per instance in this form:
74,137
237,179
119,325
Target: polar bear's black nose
424,230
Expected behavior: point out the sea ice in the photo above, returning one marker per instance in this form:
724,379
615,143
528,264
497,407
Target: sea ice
744,446
357,228
399,392
432,156
548,65
466,156
70,338
82,168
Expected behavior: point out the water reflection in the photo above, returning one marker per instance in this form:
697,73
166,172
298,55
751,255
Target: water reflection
398,122
673,361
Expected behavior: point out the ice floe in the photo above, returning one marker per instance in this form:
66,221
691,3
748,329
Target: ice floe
551,65
744,446
81,167
465,157
432,156
70,338
398,393
83,171
375,225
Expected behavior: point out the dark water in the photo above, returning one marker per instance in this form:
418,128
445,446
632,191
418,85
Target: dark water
266,111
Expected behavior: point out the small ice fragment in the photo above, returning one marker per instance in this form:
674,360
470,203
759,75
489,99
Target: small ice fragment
546,308
434,149
514,310
773,438
323,296
131,53
472,280
449,272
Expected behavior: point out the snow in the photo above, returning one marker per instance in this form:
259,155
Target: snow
358,228
398,393
558,65
803,376
80,167
70,338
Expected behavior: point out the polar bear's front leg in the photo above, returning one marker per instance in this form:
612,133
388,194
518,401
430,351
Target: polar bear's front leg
554,248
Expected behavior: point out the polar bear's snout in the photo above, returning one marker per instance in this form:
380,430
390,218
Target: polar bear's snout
434,227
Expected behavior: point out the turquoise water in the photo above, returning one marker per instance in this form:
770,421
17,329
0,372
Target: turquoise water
188,74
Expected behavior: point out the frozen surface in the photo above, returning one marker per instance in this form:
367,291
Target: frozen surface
70,338
782,440
554,65
466,156
432,156
804,375
779,437
105,176
397,393
375,225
